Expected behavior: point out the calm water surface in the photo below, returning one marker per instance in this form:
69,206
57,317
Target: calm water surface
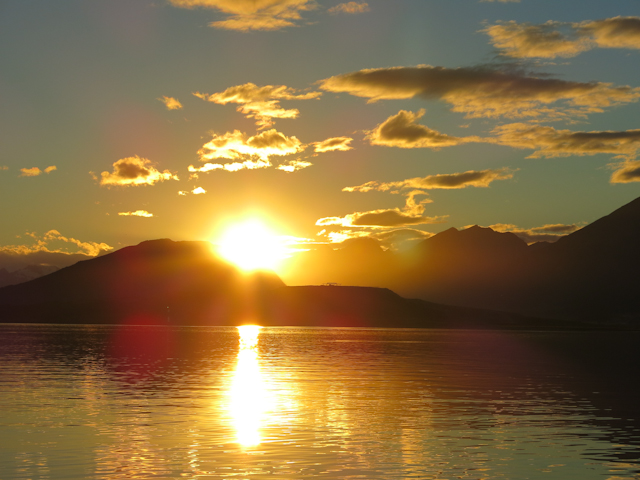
95,402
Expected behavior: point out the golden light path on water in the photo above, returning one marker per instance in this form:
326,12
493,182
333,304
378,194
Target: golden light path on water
249,399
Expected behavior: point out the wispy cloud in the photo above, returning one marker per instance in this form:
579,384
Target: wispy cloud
411,214
392,217
471,178
50,169
562,39
132,171
43,243
247,15
294,165
261,103
171,103
549,142
350,7
484,92
137,213
546,233
341,144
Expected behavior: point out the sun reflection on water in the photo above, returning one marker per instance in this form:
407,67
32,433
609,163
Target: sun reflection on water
249,397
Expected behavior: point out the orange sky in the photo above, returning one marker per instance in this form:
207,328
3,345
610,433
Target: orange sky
124,121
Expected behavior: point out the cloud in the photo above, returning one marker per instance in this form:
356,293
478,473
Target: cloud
401,130
246,15
482,91
350,7
626,172
340,144
561,39
30,172
546,233
33,171
411,214
617,32
171,103
198,191
294,165
135,171
549,142
392,217
43,244
261,103
471,178
230,167
137,213
245,153
525,40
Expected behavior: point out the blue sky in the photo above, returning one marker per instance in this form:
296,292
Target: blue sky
409,95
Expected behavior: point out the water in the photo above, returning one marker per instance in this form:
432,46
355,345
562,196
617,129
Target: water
97,402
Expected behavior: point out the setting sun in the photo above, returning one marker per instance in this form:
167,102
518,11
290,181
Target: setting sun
252,246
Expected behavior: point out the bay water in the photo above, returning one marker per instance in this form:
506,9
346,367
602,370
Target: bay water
149,402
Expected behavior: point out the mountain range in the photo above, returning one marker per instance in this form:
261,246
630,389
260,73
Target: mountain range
469,278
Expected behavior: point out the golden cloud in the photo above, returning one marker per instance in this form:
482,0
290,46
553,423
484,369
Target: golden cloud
393,217
626,172
617,32
471,178
230,167
549,142
42,244
50,169
401,130
137,213
523,40
198,191
294,165
411,214
261,103
350,7
236,146
483,92
30,172
249,15
171,103
4,167
546,233
340,144
135,171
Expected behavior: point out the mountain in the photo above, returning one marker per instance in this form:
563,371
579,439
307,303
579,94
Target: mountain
24,274
183,283
160,280
589,275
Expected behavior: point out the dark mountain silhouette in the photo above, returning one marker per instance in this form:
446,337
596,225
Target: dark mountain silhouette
24,274
462,278
183,283
591,274
159,280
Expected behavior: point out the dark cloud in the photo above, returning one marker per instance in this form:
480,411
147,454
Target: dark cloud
483,91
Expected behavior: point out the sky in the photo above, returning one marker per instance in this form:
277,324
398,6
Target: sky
128,120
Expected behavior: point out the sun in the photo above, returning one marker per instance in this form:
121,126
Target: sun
251,245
